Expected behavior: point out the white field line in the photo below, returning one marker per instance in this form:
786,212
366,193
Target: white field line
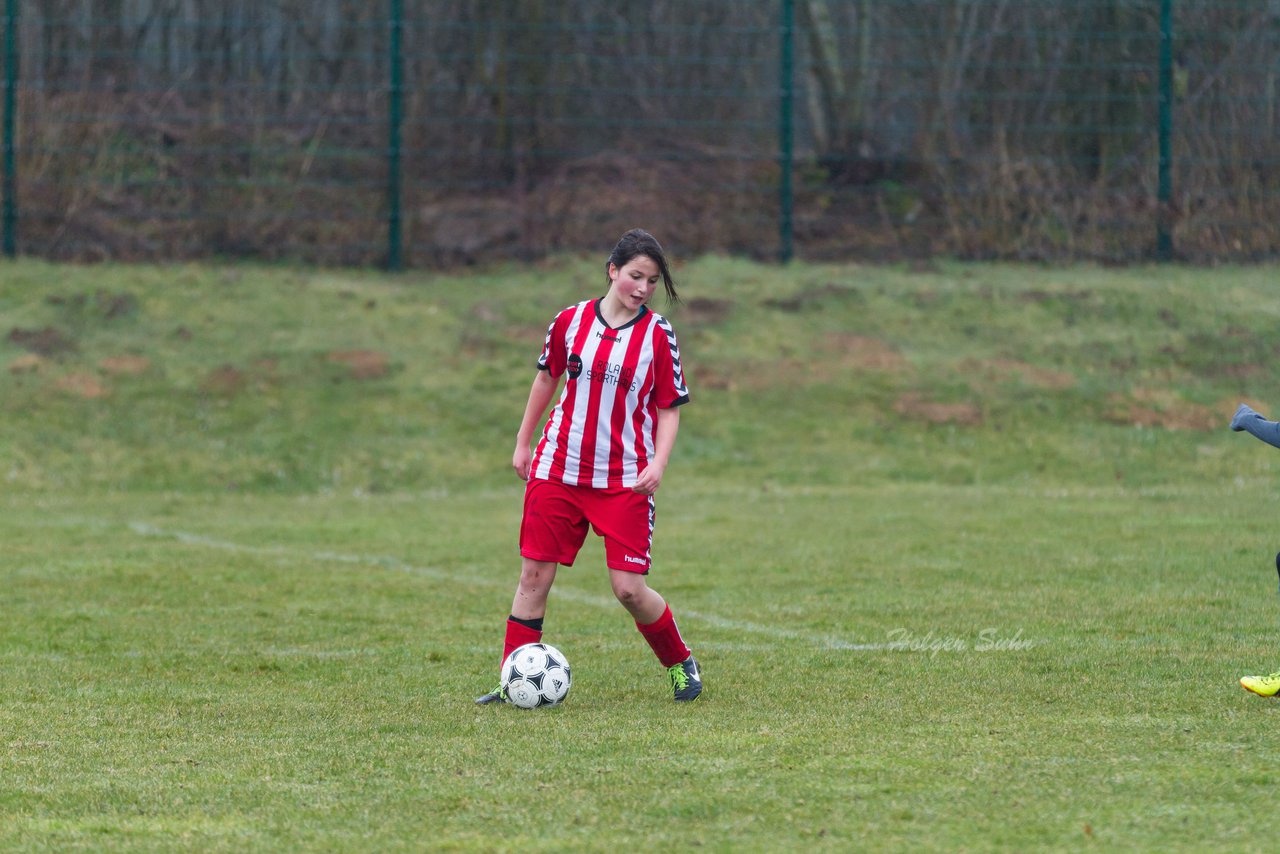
741,627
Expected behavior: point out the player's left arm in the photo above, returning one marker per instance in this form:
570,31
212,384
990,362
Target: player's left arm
664,439
1253,422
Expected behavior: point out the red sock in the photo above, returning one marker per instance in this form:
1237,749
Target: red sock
518,634
664,638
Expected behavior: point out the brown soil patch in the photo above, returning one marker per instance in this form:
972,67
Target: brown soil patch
810,297
710,378
364,364
82,385
830,358
43,342
225,379
1003,370
128,366
865,353
28,364
913,406
1164,409
1242,372
706,312
1227,407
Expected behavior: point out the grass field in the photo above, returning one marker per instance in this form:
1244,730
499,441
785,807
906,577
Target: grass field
967,553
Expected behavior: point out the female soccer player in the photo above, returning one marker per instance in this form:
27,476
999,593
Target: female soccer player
1248,420
603,451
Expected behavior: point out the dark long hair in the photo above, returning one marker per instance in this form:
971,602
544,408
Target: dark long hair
635,243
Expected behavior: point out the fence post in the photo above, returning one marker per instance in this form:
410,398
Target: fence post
1164,189
395,261
786,94
9,239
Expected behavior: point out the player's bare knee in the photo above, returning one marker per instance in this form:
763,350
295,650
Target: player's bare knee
631,592
536,574
534,584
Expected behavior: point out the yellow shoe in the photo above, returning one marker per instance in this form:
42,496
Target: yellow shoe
1263,686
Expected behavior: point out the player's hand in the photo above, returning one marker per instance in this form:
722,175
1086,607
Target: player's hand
649,479
520,462
1243,414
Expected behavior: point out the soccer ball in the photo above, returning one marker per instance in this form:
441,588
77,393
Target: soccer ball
536,674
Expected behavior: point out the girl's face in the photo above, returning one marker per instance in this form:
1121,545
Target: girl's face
634,282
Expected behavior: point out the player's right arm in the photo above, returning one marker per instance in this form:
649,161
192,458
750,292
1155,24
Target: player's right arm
540,395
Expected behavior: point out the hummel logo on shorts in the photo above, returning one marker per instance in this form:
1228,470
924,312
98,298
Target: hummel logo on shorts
639,560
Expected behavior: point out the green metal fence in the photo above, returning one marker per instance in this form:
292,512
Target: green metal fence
417,133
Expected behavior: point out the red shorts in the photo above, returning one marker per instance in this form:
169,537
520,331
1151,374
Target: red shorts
556,517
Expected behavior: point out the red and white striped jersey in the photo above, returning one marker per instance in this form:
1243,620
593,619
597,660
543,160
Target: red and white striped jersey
600,432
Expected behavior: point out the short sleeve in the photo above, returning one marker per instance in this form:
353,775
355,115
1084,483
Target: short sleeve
669,387
554,351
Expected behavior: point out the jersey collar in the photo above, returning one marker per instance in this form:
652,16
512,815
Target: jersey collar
644,309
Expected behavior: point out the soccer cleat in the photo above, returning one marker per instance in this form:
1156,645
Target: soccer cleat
1263,686
497,695
686,681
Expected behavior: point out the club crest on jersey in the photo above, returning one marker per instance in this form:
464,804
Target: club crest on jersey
575,366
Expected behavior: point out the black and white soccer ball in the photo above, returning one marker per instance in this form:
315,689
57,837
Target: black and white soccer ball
536,674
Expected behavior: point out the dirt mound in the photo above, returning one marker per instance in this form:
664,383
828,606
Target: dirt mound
28,364
1164,409
128,366
82,385
42,342
364,364
914,406
225,380
863,352
1004,370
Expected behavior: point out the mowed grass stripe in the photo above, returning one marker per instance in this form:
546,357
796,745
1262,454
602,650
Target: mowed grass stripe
394,564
